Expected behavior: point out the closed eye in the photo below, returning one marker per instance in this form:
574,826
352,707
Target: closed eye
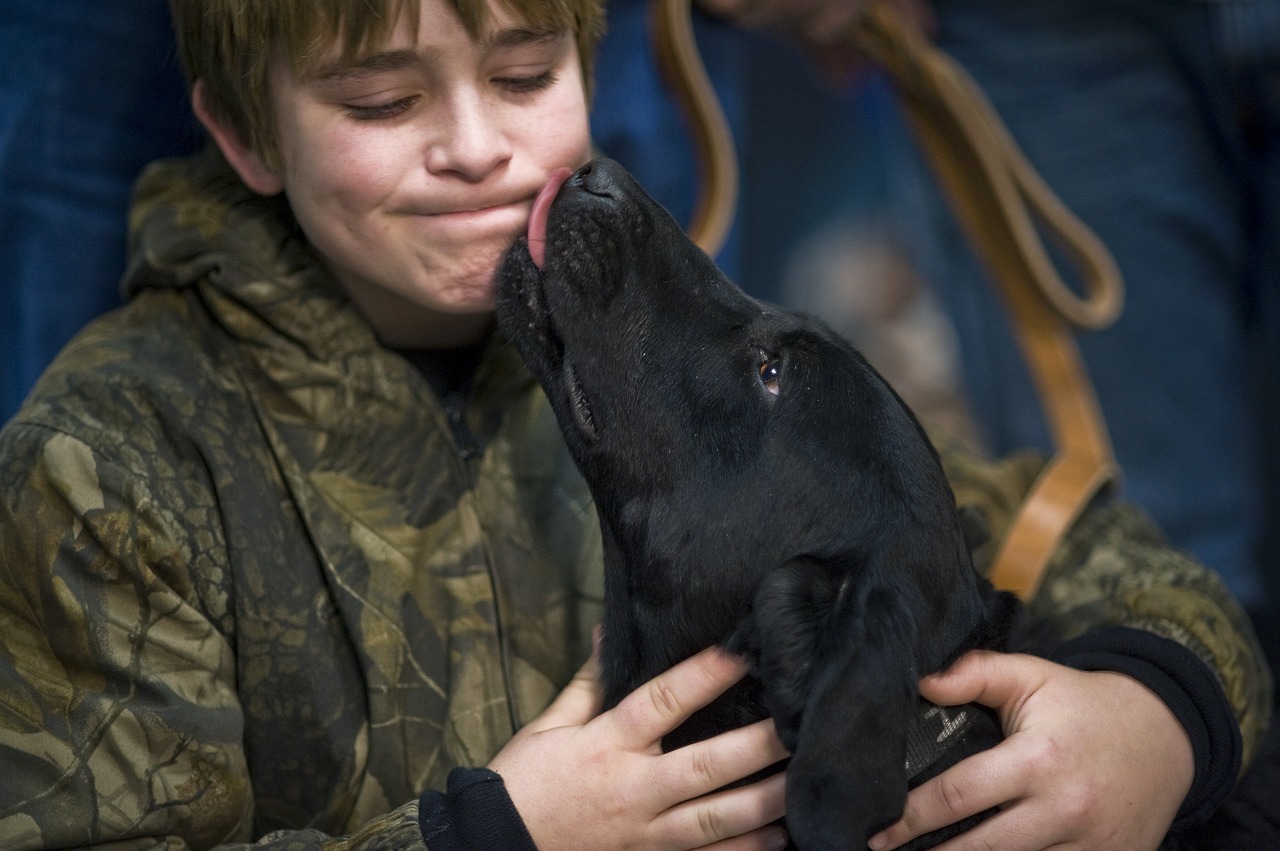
770,370
382,111
528,84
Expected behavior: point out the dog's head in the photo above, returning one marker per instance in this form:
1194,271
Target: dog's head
710,425
762,483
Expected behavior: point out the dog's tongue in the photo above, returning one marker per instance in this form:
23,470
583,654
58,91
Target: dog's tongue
541,212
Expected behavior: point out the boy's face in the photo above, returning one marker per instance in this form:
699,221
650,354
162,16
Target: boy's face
413,171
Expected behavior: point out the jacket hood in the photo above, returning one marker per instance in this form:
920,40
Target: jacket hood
195,225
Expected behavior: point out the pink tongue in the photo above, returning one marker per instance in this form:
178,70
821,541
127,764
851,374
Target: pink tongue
541,212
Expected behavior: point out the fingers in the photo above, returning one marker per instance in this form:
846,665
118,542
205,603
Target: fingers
666,701
967,788
1013,830
828,24
730,820
789,15
1076,767
582,778
699,811
579,701
772,838
993,778
703,767
1002,681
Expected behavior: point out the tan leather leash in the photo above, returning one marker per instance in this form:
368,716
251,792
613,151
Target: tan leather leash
676,51
999,199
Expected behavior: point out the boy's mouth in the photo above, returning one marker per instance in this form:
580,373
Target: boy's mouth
540,215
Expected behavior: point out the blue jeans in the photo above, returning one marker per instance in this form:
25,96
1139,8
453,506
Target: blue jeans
89,93
635,121
1156,121
808,151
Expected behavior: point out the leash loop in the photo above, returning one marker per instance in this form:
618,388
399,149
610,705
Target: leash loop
999,199
676,51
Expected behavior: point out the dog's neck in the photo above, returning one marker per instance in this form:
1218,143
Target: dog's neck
637,648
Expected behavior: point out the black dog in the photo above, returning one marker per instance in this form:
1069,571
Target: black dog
759,486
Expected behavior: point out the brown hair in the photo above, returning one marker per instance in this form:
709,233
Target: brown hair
229,44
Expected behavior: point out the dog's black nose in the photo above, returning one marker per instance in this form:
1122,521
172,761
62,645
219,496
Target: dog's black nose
602,177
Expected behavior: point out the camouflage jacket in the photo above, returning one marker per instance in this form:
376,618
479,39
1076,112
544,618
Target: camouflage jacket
260,587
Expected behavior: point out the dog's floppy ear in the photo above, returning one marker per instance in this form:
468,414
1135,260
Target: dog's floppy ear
833,647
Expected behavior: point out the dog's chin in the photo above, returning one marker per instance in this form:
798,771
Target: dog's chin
526,321
564,388
523,315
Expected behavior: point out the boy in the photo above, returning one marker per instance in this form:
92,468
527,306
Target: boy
293,546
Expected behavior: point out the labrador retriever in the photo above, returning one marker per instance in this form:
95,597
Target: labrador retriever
758,486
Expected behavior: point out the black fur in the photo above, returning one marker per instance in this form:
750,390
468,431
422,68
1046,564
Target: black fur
812,530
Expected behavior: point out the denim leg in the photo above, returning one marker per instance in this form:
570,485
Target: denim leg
1124,106
89,92
1252,33
635,121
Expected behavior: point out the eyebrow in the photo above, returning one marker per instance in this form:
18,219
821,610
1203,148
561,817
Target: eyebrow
343,70
521,36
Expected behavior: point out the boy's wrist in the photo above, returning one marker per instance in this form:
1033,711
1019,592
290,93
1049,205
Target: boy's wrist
1189,688
474,813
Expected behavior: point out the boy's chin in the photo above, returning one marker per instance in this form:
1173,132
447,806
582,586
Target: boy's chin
458,315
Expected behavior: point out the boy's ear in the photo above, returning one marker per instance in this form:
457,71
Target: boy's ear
244,159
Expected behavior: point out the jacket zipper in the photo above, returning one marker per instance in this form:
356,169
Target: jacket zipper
469,448
455,412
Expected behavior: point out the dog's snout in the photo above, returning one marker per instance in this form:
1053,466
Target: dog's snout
600,177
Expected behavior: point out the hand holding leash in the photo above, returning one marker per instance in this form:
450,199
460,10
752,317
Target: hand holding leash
816,23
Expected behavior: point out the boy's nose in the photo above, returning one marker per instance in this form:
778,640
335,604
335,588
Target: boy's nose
470,142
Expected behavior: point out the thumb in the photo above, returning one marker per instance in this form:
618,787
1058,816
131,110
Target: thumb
579,701
1002,681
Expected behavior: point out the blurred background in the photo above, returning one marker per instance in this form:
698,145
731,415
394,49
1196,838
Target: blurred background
1156,120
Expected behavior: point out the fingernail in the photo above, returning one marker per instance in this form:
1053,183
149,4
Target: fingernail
777,840
877,842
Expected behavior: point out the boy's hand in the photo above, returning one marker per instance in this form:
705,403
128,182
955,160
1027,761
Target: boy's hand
586,780
818,22
821,26
1091,760
818,18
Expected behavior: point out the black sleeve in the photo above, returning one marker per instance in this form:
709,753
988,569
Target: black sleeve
1190,690
475,813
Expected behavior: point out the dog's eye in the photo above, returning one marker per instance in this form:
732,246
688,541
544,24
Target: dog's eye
770,373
